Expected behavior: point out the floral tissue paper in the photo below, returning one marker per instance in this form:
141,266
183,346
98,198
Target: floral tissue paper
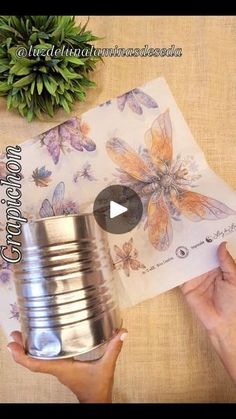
139,139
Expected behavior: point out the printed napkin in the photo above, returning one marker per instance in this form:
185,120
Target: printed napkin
139,139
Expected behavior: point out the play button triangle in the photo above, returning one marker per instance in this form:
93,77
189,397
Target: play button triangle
116,209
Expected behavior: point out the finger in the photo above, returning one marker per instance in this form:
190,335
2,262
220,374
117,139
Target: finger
199,283
33,364
114,347
17,337
227,263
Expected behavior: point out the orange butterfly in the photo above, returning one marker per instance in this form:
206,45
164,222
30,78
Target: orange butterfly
160,182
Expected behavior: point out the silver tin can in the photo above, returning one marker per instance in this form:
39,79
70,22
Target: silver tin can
65,287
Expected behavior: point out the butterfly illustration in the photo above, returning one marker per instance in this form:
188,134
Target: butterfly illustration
72,134
127,257
85,172
162,183
59,206
135,99
41,176
14,311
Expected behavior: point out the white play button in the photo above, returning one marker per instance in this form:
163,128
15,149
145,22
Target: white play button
116,209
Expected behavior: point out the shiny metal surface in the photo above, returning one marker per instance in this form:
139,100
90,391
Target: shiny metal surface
65,287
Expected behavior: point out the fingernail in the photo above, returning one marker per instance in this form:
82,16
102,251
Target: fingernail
123,336
9,349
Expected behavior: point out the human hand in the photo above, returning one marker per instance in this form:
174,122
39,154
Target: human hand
212,297
91,382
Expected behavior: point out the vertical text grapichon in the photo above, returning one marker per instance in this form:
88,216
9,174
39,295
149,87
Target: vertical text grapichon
13,203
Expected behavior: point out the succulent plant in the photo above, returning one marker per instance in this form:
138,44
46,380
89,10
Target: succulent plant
38,83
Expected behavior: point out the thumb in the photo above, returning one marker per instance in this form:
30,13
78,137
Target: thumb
114,347
33,364
227,263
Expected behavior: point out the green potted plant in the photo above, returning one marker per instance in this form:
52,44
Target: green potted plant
34,78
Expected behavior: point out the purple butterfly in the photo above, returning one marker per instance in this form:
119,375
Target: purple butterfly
41,177
14,311
59,206
85,172
135,98
66,137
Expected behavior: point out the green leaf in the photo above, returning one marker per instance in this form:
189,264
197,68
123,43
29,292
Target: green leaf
43,69
32,87
57,98
30,115
24,81
3,67
38,114
10,79
9,101
72,75
33,37
22,110
65,105
19,70
39,84
68,97
4,87
11,30
42,46
49,106
74,60
22,60
61,71
51,88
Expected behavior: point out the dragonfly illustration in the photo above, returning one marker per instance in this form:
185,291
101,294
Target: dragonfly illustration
85,172
14,311
59,205
71,135
135,99
162,183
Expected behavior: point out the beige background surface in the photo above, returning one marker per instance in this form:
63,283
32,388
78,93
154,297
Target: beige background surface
166,357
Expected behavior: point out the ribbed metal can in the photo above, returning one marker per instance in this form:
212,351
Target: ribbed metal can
65,287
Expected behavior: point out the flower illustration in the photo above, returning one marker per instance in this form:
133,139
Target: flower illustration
135,99
69,207
41,176
127,258
71,135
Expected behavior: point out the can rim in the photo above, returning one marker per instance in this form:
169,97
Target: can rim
77,215
75,354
